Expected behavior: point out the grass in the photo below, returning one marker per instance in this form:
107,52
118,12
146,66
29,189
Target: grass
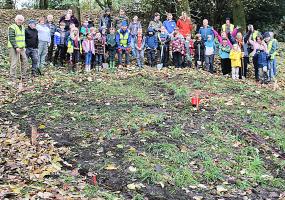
145,120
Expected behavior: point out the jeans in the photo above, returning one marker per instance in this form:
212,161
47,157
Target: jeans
43,50
98,59
273,68
151,57
127,56
243,70
33,54
140,57
209,60
177,59
88,57
17,59
133,47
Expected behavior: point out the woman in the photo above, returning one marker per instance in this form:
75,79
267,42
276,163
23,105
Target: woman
44,40
185,25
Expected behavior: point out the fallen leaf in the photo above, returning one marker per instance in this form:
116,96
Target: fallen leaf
111,167
132,169
198,197
220,189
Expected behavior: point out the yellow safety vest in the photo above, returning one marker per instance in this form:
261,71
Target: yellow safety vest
19,36
124,39
224,27
255,34
270,44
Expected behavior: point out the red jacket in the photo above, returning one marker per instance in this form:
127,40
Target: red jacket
185,27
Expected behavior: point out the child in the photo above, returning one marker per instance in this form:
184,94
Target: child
199,47
84,30
74,48
258,46
139,43
177,49
151,45
235,56
189,46
103,31
60,39
164,40
111,47
99,50
210,48
89,50
224,52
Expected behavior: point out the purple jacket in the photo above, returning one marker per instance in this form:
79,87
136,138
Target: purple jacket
88,45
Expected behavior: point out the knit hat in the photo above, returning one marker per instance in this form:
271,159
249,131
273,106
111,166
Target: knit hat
266,35
124,23
32,21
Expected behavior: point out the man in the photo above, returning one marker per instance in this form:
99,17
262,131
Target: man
90,21
272,45
228,27
106,20
169,24
16,45
156,24
133,28
71,17
52,28
122,17
123,40
206,30
32,41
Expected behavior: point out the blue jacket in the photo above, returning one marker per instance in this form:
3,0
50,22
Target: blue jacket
151,40
118,38
224,51
205,32
169,25
210,44
58,40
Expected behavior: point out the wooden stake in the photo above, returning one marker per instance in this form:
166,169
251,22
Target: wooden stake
34,135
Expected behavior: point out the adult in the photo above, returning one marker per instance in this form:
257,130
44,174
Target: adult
44,40
272,45
52,27
123,41
228,27
206,30
71,18
121,18
67,21
156,24
169,24
32,41
134,26
184,24
89,20
106,20
16,45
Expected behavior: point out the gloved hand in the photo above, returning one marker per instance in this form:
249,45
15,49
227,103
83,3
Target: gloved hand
120,50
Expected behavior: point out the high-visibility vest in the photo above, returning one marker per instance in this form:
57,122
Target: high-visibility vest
124,39
270,44
255,34
19,36
224,27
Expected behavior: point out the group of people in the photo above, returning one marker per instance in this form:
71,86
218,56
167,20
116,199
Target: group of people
166,42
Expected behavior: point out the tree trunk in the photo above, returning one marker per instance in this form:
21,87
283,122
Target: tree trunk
76,10
43,4
239,14
9,4
183,6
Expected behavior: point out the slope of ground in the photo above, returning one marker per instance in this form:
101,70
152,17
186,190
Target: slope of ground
139,134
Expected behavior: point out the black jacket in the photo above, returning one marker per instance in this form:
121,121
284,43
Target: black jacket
31,38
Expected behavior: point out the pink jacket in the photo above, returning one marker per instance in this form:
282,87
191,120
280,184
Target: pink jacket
257,46
220,39
88,45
